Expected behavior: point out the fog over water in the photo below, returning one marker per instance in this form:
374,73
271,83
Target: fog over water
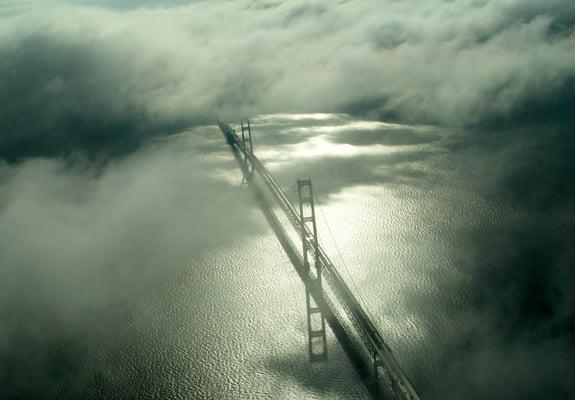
438,136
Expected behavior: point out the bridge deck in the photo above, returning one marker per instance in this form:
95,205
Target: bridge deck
362,325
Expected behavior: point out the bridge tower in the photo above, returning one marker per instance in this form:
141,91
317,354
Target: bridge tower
315,318
247,144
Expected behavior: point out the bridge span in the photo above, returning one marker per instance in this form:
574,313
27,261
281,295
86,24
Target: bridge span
333,301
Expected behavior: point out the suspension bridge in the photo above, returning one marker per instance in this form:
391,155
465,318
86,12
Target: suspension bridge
328,297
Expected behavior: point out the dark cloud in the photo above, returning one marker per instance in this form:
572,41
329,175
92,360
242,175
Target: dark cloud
58,97
96,79
516,271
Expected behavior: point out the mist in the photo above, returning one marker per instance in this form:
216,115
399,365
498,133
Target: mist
115,183
84,249
102,80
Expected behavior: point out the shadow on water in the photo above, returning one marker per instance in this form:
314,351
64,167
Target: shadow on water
331,377
321,378
335,174
388,137
350,344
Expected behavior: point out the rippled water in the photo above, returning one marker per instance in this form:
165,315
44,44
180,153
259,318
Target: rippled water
390,213
222,315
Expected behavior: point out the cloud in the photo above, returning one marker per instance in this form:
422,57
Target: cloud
510,312
485,216
102,80
85,248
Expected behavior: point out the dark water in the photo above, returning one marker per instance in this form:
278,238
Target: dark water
159,277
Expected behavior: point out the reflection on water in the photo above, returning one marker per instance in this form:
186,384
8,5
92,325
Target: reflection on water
382,191
222,314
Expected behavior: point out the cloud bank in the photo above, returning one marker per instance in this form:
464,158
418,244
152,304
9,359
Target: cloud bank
103,79
86,253
93,80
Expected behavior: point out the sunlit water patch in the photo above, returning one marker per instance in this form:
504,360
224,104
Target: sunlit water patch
193,296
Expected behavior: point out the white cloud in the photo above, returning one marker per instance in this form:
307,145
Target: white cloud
453,63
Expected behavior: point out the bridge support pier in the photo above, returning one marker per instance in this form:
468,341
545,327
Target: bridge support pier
317,344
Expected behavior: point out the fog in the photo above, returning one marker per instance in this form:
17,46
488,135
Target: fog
114,181
86,73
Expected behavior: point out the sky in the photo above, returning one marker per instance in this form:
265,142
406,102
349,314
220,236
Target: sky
88,88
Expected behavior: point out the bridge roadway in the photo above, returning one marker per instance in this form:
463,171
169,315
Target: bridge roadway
370,337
